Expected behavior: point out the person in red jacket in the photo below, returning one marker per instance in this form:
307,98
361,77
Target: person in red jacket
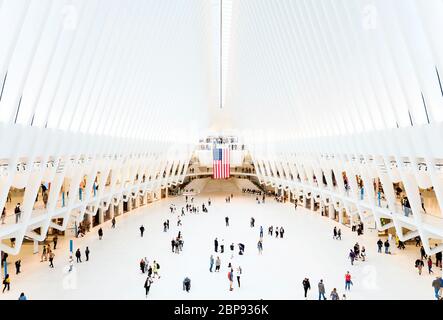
348,281
430,265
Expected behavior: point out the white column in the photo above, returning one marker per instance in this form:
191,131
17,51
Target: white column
35,248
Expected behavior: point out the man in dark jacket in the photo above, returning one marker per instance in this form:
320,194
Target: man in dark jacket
306,286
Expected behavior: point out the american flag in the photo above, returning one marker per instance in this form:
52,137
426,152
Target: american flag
220,165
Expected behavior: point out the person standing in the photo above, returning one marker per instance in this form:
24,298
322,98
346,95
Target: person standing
78,255
147,285
87,253
222,246
281,232
334,233
211,263
100,233
217,264
173,244
142,230
18,213
386,244
227,221
321,290
142,265
113,223
22,296
261,232
44,254
239,273
54,240
348,281
3,217
252,222
379,245
306,286
7,283
18,264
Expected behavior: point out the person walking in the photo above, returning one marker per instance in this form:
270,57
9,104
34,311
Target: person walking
87,253
352,257
261,231
216,245
142,230
339,234
306,286
334,236
363,253
260,246
156,268
147,285
51,259
78,255
100,233
211,263
217,264
55,240
231,279
281,232
239,273
423,253
7,283
430,265
113,223
227,221
321,290
3,217
348,281
436,284
71,263
222,246
44,254
18,264
187,284
419,265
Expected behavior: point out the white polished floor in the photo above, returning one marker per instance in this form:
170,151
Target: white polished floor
307,250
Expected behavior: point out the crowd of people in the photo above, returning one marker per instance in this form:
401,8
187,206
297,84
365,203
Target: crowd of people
227,252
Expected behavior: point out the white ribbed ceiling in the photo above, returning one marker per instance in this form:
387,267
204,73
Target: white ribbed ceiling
150,69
